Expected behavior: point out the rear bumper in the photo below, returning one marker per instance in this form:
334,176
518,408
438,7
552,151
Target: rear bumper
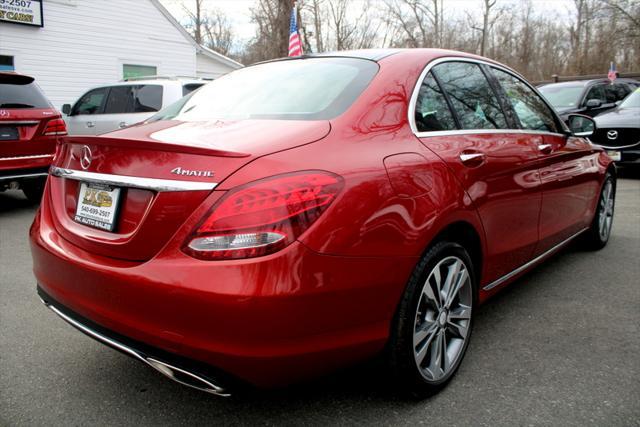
267,321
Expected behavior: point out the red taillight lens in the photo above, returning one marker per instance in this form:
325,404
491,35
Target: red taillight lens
264,216
55,127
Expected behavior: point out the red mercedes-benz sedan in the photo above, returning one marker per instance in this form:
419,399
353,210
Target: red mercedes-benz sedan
300,215
29,131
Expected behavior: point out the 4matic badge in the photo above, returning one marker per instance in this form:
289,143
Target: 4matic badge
189,172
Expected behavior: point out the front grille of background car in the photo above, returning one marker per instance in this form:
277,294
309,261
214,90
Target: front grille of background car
626,136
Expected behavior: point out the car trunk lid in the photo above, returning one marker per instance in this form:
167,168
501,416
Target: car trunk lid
164,171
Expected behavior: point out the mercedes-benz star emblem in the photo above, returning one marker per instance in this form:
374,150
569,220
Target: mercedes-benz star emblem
85,157
612,134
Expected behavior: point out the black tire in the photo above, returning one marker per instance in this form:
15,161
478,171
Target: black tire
410,375
595,237
33,189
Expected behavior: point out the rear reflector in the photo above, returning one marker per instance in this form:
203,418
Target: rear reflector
264,216
55,127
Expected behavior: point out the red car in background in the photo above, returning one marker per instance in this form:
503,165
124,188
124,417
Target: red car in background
300,215
29,131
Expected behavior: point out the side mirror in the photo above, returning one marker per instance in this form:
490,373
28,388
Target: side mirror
581,125
593,103
66,109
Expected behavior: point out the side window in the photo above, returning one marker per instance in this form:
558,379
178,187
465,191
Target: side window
190,87
147,98
530,109
90,103
596,92
621,91
471,95
119,100
432,111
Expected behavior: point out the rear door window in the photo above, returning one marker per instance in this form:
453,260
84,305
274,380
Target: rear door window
147,98
18,91
134,99
119,101
471,95
91,102
432,110
531,110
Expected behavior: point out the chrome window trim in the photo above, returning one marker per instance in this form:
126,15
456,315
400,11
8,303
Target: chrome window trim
416,89
155,184
534,261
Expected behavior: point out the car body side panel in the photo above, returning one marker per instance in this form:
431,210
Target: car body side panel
571,175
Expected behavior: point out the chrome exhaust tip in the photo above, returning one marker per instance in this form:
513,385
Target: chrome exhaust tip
179,375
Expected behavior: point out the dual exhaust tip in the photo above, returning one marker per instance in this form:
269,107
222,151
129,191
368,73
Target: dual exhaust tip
179,375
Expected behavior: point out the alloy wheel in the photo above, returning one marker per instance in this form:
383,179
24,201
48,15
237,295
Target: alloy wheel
605,217
443,319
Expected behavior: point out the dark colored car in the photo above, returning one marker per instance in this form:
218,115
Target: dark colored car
588,97
618,131
29,132
300,215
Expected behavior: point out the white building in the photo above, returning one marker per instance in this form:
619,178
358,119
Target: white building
85,43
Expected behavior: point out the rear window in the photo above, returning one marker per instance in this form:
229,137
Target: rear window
21,92
302,89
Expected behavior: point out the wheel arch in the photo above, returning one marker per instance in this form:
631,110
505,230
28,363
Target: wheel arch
465,234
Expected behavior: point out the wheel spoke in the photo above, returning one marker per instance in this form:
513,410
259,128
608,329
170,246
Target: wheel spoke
450,281
423,331
458,329
455,289
424,349
462,312
435,364
428,289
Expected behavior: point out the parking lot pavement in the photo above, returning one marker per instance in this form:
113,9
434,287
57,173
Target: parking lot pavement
559,347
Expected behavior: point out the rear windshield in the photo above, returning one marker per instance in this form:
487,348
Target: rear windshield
20,92
308,89
562,96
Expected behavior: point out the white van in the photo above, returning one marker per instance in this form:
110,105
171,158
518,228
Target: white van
111,107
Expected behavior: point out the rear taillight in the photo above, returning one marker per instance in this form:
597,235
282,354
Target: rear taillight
263,217
55,127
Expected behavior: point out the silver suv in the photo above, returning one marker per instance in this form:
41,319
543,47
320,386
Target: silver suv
111,107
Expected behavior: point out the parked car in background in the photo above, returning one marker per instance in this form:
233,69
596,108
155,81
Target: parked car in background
110,107
299,215
589,97
29,132
618,131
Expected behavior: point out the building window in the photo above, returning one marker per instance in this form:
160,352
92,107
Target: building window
130,70
6,63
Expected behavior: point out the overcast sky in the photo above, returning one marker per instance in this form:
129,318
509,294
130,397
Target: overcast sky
238,10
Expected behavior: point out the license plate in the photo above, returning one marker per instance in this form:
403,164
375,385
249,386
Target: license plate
616,156
8,133
97,205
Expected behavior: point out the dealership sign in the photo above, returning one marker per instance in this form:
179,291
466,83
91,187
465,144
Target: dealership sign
27,12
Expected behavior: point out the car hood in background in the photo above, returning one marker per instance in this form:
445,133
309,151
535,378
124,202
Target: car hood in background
619,118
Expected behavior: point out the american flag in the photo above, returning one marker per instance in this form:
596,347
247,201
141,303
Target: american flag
295,47
612,71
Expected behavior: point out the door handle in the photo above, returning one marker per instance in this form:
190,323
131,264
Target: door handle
472,158
122,124
91,124
545,148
